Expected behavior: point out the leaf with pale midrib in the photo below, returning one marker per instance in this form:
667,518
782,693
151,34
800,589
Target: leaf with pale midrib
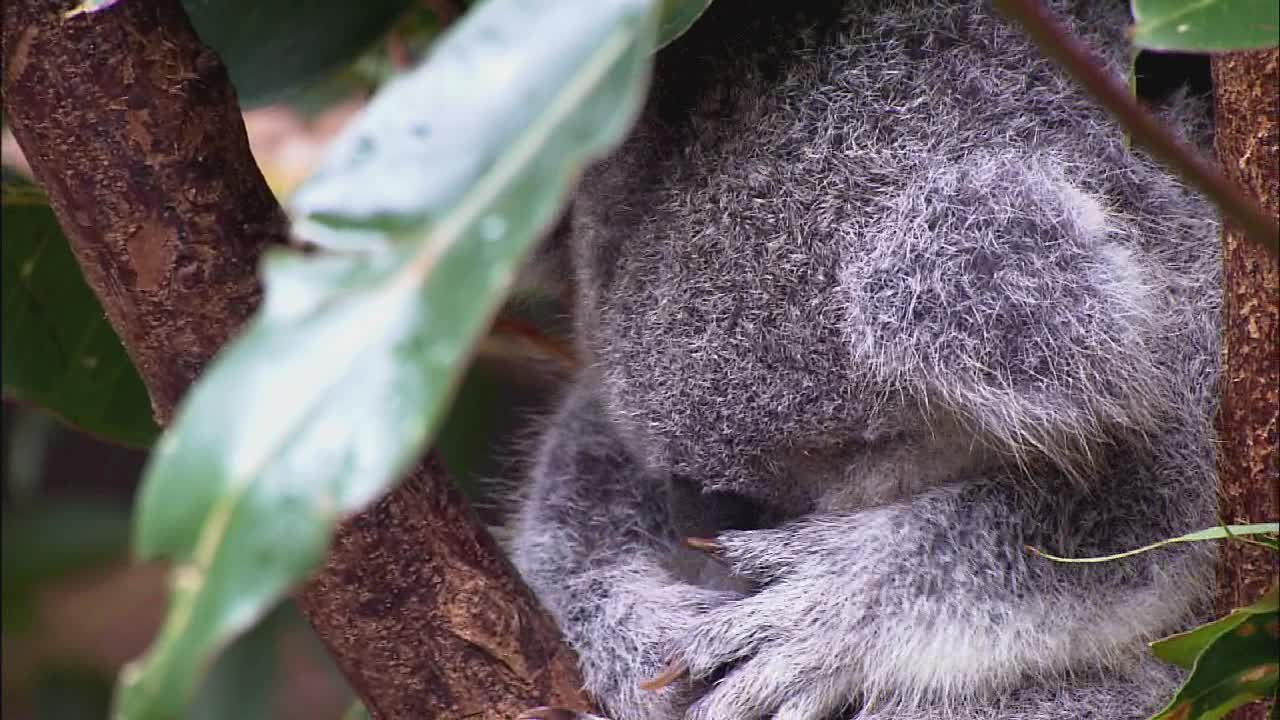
423,211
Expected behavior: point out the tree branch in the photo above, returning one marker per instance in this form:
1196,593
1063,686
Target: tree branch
1057,42
1247,140
132,127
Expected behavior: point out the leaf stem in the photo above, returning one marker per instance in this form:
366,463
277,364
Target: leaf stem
1214,533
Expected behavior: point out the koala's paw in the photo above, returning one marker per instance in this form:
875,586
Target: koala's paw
626,649
785,652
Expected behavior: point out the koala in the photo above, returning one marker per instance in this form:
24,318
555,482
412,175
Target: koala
872,299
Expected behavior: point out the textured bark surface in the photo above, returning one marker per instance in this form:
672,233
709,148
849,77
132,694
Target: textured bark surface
132,127
476,654
1247,117
133,130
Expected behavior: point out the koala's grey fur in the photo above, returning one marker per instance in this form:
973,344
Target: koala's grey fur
877,297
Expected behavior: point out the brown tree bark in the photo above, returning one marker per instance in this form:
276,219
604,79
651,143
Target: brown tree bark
479,648
1247,140
133,129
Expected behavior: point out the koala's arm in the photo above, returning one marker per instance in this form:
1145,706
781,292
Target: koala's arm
935,602
996,293
593,538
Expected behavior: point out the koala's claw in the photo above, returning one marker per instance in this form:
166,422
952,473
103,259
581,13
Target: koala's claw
671,673
554,713
707,546
766,655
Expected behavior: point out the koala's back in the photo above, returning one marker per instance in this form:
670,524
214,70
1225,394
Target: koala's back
839,221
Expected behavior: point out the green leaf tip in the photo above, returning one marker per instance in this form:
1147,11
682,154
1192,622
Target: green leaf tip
1232,661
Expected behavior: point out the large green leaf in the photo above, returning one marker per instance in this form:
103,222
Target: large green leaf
275,47
1233,662
1184,648
423,211
57,350
1206,25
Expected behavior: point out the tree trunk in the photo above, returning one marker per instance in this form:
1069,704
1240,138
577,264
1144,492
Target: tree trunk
133,129
1247,119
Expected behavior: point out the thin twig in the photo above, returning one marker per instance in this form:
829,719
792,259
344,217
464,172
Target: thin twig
1083,65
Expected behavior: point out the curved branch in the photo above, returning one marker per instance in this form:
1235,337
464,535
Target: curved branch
1087,69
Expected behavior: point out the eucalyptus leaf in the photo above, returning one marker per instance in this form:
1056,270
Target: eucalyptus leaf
423,211
57,350
1185,648
1221,532
273,48
1237,666
1206,25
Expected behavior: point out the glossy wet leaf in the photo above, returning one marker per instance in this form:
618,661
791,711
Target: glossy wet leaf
273,48
1183,649
1206,25
56,349
423,211
1233,661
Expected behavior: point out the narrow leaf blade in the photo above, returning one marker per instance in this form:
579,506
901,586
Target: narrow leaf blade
1221,532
